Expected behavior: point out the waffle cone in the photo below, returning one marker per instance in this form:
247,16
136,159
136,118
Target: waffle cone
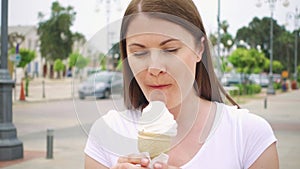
154,144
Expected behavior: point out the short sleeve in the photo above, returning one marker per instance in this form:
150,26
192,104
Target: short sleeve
93,147
257,137
112,136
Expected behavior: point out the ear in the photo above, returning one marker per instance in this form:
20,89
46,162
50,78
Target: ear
200,49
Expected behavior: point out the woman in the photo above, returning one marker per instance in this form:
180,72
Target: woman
165,51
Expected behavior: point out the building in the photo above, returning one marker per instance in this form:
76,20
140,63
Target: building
31,42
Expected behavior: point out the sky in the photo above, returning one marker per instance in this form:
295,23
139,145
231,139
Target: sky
91,14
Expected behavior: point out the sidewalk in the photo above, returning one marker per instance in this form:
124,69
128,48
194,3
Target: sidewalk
41,89
283,113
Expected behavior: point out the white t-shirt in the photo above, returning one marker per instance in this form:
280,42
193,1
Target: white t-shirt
236,139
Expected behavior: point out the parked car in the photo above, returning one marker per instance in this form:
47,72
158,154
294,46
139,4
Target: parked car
230,79
260,79
277,78
101,85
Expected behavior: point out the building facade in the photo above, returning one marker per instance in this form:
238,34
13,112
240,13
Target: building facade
31,42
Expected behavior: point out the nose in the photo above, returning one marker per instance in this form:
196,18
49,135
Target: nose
155,71
156,67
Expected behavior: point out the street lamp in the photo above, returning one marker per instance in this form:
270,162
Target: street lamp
219,29
296,16
10,147
272,8
108,4
17,39
109,33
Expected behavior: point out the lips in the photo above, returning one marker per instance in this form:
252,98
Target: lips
163,86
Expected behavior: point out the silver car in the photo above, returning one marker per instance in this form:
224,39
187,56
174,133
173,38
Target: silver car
101,85
260,79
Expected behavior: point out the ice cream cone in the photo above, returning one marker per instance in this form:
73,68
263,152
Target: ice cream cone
153,143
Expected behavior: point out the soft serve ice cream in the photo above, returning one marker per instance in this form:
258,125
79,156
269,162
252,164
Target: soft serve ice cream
156,129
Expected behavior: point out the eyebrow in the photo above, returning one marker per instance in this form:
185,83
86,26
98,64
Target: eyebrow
167,41
161,44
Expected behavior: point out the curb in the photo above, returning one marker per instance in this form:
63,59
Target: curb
18,102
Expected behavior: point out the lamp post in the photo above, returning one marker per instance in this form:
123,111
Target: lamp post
108,7
17,40
219,29
10,147
109,33
296,17
272,8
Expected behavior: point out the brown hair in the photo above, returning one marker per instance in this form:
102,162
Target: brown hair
206,83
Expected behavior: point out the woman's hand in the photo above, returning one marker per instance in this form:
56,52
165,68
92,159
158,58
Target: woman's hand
132,162
163,166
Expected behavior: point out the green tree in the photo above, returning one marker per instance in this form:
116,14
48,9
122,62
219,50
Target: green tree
115,53
257,33
26,56
81,62
298,72
247,61
58,67
286,41
102,58
224,25
120,65
73,59
78,61
277,66
55,34
213,39
225,66
227,41
226,38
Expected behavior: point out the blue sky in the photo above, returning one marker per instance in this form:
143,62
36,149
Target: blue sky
88,21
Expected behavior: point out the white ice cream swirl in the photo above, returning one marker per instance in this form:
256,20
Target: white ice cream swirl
157,119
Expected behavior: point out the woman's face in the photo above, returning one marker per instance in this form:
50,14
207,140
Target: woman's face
162,56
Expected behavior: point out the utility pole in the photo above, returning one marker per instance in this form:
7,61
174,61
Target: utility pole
10,147
219,29
271,3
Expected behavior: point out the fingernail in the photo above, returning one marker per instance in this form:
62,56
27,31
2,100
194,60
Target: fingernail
157,165
144,160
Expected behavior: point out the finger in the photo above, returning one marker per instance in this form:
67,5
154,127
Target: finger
125,166
159,166
135,159
145,162
163,166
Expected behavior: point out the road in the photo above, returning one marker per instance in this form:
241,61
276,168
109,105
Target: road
60,114
71,119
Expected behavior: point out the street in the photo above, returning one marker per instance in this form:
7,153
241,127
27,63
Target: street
71,120
60,114
283,113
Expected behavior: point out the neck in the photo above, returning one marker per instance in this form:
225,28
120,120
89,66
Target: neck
188,110
191,115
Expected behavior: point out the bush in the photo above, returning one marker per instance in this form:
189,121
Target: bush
277,86
247,89
256,88
234,92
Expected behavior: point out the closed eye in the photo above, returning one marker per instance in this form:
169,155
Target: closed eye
171,50
140,53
